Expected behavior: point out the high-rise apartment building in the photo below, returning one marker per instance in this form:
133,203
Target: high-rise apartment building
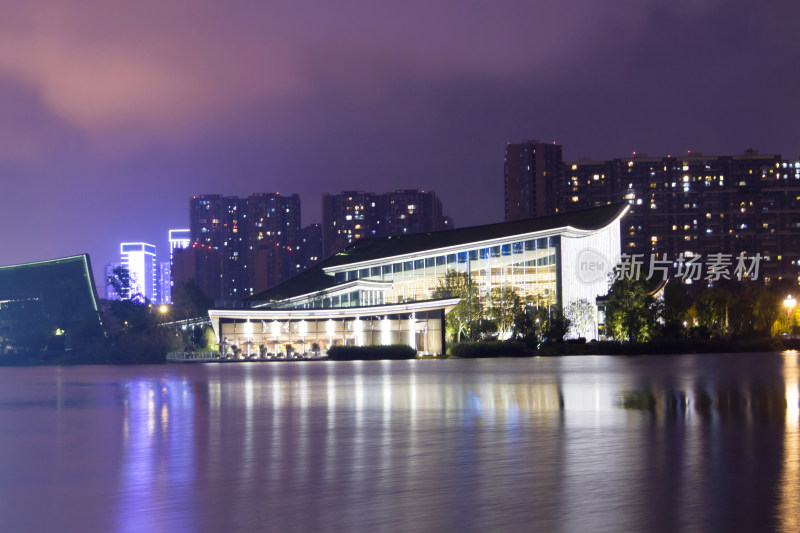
409,211
532,170
693,204
346,217
139,259
698,205
351,215
236,227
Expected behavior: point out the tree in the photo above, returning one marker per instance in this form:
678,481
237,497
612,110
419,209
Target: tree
530,324
211,340
712,310
189,301
462,322
631,313
505,306
557,325
676,308
122,283
581,315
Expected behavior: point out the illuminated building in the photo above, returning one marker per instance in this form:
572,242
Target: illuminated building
692,204
352,215
165,282
236,227
178,238
550,262
697,204
139,259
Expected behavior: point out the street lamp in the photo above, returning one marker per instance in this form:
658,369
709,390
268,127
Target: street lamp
789,303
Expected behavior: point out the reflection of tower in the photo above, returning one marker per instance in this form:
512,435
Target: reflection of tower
139,259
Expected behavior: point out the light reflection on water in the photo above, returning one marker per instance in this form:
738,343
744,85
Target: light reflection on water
689,443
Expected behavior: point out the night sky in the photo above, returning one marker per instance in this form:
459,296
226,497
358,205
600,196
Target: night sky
112,117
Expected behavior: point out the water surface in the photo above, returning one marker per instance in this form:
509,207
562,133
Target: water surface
673,443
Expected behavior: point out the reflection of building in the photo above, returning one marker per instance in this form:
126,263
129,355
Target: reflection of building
550,261
139,259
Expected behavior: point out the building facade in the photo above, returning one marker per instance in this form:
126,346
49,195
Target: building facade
532,171
550,262
310,246
200,264
139,259
178,240
238,227
165,282
352,215
697,205
692,204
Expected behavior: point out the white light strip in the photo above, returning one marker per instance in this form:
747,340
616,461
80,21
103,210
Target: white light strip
552,232
334,312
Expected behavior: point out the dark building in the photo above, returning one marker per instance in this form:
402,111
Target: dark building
693,204
346,217
351,215
238,226
310,246
409,211
533,171
199,263
49,305
273,263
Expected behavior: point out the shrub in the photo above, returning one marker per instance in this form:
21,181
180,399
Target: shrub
470,350
371,353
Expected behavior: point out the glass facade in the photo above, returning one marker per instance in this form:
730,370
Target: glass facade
530,266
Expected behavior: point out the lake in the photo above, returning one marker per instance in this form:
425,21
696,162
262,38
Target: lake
572,444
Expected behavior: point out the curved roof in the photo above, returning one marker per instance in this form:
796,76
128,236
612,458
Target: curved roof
369,249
